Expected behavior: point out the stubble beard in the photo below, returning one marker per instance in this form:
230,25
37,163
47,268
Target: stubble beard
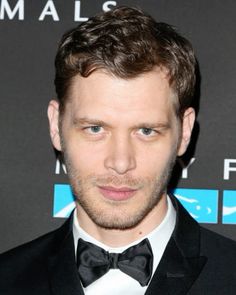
116,215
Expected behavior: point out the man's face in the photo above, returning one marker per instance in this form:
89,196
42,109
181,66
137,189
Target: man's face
120,139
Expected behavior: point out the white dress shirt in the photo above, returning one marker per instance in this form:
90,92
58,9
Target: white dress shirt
116,282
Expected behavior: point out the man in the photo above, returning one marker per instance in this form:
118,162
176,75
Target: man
123,114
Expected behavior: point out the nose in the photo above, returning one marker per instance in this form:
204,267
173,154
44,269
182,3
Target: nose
121,156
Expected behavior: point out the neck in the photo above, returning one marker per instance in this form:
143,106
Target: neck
119,238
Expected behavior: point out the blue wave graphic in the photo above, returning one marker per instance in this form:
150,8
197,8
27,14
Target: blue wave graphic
64,202
201,204
229,207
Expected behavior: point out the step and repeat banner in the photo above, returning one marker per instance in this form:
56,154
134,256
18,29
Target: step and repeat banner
34,193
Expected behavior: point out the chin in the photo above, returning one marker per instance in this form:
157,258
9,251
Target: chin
118,218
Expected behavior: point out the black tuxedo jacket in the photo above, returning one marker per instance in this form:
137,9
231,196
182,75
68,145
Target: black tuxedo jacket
196,261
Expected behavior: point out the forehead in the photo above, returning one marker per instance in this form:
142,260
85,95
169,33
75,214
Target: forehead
101,93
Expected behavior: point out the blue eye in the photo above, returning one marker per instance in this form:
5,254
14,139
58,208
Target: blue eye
147,131
95,129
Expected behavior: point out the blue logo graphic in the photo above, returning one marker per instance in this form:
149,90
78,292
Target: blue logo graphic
229,207
202,204
64,201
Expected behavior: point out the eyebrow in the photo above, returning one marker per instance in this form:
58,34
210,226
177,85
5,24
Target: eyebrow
87,120
162,125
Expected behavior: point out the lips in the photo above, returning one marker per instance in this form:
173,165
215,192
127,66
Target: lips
117,194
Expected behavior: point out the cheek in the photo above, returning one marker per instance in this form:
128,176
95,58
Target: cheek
84,158
151,164
153,161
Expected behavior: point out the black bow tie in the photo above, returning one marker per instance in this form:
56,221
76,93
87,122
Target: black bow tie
93,262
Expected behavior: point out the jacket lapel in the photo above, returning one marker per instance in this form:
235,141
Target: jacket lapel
181,263
64,279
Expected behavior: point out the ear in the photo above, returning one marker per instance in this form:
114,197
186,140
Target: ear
187,127
53,117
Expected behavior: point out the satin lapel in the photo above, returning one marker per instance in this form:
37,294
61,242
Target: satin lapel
64,279
175,273
181,263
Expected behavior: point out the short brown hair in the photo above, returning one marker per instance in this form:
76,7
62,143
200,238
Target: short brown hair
126,42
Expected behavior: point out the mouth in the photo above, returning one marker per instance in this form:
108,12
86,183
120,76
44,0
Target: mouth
117,194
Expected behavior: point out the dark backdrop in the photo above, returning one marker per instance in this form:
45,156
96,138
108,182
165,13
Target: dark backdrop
29,34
